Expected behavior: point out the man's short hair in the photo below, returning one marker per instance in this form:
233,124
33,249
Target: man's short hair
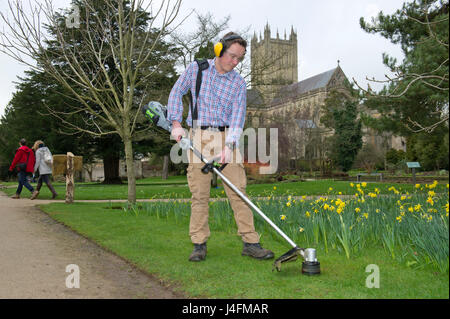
239,40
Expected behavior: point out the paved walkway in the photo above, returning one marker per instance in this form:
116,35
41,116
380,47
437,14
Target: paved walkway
35,251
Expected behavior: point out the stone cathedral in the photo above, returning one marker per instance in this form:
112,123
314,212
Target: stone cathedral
277,99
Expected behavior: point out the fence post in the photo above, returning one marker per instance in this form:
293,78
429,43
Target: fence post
70,185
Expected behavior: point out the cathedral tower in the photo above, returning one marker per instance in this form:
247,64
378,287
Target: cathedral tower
273,62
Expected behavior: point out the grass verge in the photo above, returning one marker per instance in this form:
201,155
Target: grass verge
161,246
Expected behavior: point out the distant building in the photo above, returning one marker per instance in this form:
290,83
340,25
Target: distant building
276,98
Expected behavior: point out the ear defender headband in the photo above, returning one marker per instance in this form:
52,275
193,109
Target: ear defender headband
221,47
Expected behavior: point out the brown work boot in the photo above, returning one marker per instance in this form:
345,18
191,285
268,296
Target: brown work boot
256,251
16,196
34,195
199,252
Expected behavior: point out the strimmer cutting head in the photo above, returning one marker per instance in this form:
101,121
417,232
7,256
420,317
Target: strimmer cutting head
310,265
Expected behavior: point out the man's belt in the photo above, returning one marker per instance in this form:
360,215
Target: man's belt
214,128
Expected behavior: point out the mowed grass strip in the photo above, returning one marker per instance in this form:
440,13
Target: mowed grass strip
156,240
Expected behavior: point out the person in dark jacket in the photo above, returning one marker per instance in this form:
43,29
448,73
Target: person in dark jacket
24,161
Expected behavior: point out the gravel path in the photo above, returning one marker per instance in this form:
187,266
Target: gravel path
35,251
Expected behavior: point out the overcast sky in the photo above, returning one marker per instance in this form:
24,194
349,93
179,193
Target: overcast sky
327,31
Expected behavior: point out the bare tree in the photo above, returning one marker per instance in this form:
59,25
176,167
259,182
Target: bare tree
83,70
208,30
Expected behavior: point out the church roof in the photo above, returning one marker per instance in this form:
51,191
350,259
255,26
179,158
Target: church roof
255,99
310,84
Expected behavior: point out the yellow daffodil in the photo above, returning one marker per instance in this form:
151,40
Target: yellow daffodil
307,214
282,217
288,204
377,210
364,184
417,207
410,209
417,185
430,201
330,189
399,219
431,193
366,215
357,209
301,229
352,185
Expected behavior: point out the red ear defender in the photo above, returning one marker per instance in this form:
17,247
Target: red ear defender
220,47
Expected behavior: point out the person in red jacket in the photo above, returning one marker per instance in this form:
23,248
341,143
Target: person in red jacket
24,161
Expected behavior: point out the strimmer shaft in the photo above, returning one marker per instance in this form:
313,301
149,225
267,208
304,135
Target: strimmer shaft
184,144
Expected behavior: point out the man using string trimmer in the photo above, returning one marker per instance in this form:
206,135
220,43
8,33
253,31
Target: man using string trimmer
221,105
216,118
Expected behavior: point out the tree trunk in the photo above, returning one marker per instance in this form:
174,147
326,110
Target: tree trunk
111,169
165,171
131,176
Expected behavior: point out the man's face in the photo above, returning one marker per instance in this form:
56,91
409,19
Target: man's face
231,58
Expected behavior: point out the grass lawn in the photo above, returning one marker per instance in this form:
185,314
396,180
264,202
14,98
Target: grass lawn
161,246
177,187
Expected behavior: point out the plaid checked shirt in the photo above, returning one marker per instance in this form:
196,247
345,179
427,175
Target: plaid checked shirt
222,99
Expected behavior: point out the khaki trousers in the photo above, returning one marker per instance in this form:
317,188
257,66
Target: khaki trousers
210,144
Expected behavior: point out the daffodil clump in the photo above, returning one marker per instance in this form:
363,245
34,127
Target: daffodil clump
411,227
